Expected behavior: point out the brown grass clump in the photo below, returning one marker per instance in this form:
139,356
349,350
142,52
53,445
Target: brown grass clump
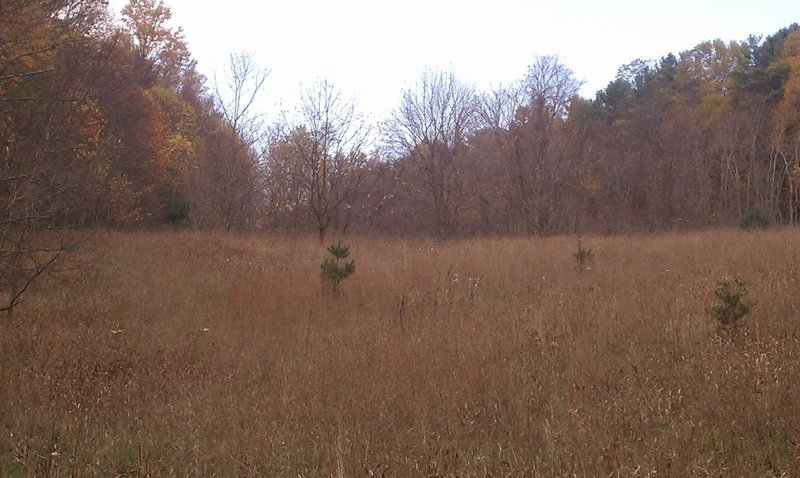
196,354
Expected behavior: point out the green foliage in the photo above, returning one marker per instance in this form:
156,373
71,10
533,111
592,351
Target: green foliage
583,257
732,306
176,210
335,269
755,219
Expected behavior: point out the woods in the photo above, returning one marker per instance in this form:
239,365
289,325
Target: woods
108,123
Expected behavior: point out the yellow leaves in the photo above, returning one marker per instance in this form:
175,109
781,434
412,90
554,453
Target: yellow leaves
789,108
173,133
179,154
27,43
714,107
710,64
173,123
171,108
147,22
791,46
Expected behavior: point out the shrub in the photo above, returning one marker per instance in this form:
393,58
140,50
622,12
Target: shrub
335,270
175,211
732,306
755,219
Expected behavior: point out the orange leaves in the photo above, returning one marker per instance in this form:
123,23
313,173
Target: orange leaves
154,40
791,47
789,108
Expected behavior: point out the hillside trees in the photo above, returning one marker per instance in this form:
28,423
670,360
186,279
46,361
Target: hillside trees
101,125
695,140
173,153
50,128
690,140
152,139
786,139
160,149
107,124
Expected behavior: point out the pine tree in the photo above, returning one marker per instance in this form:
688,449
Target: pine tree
335,270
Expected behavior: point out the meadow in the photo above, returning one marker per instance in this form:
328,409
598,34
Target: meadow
199,354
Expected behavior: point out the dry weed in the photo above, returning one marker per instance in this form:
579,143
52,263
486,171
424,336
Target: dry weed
209,355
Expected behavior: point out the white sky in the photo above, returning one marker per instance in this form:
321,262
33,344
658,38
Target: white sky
373,50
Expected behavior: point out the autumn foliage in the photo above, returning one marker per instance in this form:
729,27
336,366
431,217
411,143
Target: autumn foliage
124,132
195,352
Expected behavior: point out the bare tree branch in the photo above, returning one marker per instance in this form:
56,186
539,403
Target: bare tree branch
431,127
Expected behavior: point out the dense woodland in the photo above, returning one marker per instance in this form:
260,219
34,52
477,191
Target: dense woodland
107,123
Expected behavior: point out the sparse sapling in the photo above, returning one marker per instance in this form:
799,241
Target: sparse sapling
334,269
584,258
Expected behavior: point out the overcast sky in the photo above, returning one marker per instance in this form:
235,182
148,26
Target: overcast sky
372,50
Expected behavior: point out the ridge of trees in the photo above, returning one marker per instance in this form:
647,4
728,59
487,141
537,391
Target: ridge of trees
109,124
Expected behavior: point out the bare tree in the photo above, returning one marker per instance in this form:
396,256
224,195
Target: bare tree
327,144
237,98
550,85
287,204
431,127
497,108
235,152
526,117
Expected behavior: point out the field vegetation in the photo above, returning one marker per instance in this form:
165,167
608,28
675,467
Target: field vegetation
557,325
200,354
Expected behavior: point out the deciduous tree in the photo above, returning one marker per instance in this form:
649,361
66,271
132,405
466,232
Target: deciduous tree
234,166
49,130
325,147
431,128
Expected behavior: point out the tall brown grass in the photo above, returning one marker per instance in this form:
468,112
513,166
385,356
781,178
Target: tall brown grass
195,354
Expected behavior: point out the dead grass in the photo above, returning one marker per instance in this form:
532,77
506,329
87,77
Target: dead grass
208,355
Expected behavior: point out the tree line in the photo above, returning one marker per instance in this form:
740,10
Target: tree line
699,139
108,124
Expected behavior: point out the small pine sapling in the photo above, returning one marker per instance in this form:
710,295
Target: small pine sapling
584,258
335,269
732,306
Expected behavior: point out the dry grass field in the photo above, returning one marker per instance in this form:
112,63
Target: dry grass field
202,355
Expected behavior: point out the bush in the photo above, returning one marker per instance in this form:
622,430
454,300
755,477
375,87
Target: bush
732,306
755,219
175,211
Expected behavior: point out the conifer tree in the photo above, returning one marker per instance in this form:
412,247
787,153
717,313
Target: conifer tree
335,269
